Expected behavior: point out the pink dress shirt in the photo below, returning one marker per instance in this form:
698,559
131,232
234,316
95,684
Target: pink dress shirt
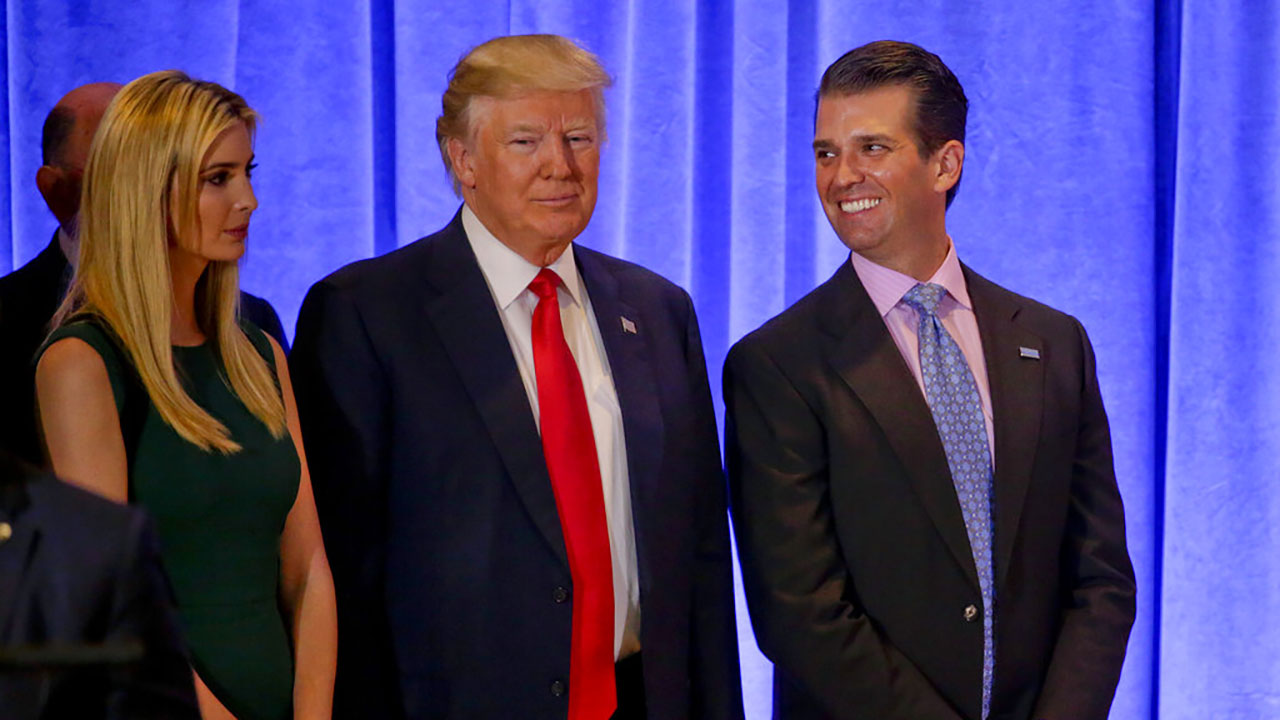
886,288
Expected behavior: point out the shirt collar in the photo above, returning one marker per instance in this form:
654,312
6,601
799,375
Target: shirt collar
886,287
508,273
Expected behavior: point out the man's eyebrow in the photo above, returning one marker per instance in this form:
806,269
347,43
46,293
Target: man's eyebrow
526,127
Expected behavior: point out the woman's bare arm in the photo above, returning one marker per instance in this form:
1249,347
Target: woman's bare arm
77,414
306,583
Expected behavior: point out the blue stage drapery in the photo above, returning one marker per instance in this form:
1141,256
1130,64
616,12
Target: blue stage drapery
1121,165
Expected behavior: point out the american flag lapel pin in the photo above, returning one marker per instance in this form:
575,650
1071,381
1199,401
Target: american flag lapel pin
628,326
1027,352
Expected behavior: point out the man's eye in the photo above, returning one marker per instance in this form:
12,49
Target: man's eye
875,148
580,139
824,154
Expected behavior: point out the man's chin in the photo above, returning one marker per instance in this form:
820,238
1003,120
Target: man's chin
857,237
563,229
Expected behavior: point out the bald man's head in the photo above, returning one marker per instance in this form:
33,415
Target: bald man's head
64,146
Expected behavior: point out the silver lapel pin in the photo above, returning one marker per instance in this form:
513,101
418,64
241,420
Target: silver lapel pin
1027,352
628,326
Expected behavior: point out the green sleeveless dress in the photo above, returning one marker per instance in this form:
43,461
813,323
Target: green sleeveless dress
219,519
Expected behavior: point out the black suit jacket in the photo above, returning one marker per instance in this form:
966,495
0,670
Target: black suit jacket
854,552
29,296
454,592
86,622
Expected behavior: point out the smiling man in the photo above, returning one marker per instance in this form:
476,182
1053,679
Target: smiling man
919,460
512,439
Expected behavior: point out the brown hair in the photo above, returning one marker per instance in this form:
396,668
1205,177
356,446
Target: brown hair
941,106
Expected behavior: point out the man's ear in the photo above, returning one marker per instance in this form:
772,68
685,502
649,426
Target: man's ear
462,160
47,178
60,194
949,160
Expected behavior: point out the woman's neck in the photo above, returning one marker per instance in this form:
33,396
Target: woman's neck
186,271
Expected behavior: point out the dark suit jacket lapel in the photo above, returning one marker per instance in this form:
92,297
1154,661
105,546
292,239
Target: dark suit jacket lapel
1017,399
637,389
865,356
15,552
471,331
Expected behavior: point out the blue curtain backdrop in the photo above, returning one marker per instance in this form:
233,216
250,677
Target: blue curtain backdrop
1122,166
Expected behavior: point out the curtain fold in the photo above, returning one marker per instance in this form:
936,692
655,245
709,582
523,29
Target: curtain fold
1121,166
1220,595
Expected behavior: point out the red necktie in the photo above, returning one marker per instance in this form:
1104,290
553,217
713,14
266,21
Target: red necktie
570,450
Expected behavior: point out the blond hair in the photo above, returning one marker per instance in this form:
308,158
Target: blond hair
506,67
141,186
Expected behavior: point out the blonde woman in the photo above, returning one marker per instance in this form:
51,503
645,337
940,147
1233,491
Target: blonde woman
152,392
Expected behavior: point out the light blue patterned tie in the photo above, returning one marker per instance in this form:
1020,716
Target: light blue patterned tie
957,412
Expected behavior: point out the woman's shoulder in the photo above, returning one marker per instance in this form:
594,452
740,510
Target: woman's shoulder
70,354
82,340
77,354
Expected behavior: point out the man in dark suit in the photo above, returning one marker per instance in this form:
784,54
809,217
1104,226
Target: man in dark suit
919,460
86,626
512,441
30,295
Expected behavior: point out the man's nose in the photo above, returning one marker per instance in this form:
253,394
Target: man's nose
850,171
558,160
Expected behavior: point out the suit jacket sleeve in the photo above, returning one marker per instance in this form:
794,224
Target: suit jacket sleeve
260,312
342,402
1100,607
798,588
716,676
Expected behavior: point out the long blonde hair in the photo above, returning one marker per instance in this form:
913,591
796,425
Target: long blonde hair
142,185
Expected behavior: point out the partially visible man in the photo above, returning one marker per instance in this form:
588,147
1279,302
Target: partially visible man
30,295
513,445
86,622
919,460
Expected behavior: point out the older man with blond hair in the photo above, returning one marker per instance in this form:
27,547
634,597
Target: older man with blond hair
513,445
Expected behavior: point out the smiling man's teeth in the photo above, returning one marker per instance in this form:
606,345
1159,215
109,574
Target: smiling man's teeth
859,205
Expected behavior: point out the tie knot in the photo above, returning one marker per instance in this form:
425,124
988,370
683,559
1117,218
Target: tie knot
545,284
925,297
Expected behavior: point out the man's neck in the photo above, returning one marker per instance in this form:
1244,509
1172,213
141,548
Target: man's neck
920,264
538,253
69,245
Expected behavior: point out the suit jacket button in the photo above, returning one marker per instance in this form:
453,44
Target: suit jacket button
558,688
560,594
971,613
6,531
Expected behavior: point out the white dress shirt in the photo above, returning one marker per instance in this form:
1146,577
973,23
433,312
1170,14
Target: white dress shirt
508,276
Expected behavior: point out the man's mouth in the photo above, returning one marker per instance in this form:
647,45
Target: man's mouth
557,201
857,206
